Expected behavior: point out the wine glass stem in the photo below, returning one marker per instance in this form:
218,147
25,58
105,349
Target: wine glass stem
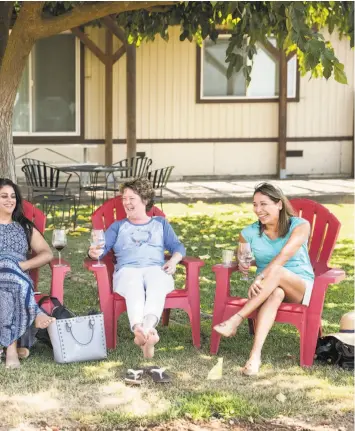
98,261
59,257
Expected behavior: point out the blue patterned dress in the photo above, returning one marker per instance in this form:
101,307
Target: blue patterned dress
18,307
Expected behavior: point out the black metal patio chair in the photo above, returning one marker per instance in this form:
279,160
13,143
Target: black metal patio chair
159,178
48,186
136,167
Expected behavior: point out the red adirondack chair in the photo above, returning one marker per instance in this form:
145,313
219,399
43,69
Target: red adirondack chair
307,319
113,305
58,273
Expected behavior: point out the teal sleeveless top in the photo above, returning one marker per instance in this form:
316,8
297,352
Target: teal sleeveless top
265,249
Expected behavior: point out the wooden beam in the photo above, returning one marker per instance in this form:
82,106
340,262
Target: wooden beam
290,55
111,24
282,115
131,101
108,98
119,53
272,50
89,44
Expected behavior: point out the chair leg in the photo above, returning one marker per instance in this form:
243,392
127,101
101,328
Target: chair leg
218,313
110,326
251,324
308,341
166,316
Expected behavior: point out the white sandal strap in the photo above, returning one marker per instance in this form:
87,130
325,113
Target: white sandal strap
160,371
135,373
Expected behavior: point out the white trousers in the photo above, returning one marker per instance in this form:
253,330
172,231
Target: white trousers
144,290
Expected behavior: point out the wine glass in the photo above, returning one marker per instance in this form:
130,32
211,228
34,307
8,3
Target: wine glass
59,241
98,239
245,256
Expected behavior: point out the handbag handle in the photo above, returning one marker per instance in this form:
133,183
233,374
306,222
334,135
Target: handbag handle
69,325
54,300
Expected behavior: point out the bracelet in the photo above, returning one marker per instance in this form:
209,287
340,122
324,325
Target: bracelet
262,276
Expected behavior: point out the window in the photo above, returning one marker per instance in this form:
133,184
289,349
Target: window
48,99
264,84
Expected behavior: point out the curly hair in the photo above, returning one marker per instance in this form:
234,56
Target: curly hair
143,188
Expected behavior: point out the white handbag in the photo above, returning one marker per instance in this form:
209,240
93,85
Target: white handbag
78,339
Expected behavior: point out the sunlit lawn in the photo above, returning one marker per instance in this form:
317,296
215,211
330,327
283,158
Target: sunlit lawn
89,394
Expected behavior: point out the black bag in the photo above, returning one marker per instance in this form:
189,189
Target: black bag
59,311
333,351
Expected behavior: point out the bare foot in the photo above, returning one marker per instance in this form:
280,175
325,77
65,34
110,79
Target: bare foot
148,348
43,321
251,368
12,360
229,327
140,337
23,352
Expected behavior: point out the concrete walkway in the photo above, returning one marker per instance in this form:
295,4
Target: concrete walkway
321,190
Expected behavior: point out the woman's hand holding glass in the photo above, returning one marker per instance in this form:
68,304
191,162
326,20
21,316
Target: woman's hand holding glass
97,245
245,257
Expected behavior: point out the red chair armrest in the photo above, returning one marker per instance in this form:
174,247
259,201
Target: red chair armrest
332,276
102,278
223,275
321,283
221,269
188,261
58,276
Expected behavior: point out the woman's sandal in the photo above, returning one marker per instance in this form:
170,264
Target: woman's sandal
251,368
134,377
158,374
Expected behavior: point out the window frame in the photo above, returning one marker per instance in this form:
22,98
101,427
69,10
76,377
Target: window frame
78,96
236,99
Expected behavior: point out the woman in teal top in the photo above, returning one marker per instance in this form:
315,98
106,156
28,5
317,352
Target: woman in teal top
284,272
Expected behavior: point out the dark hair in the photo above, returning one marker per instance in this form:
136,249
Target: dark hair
143,188
276,195
18,214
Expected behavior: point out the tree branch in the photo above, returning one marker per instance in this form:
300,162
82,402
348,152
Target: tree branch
85,13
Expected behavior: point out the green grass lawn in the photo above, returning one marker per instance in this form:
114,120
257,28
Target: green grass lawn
93,394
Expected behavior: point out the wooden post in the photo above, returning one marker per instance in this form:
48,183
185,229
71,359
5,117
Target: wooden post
282,115
108,97
131,101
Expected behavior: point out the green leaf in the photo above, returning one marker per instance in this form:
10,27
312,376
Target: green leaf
339,74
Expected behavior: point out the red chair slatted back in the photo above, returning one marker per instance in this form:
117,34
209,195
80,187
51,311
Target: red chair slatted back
113,210
324,231
36,216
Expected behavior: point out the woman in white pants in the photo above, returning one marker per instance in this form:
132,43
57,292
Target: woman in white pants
141,274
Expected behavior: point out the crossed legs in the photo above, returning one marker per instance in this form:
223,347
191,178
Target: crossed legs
144,290
279,284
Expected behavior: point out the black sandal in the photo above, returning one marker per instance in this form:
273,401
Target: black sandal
134,377
158,374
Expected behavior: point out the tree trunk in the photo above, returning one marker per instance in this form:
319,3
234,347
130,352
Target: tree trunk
7,156
13,63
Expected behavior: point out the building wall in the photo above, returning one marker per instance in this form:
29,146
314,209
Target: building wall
167,109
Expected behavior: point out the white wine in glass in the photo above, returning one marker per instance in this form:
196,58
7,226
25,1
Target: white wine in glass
59,241
98,240
245,256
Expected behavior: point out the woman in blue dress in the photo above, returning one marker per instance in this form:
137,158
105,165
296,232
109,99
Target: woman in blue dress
18,308
279,242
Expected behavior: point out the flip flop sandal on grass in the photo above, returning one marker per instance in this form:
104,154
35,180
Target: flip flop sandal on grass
158,374
134,377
